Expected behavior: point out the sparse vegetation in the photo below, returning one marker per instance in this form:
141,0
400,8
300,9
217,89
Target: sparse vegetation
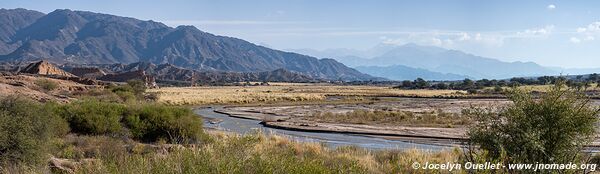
551,129
46,84
118,131
280,93
579,83
429,119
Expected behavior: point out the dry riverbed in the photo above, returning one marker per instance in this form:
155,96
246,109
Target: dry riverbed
304,117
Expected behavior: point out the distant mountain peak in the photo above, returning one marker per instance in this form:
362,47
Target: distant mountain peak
81,37
445,61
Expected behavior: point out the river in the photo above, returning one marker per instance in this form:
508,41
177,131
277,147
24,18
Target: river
246,126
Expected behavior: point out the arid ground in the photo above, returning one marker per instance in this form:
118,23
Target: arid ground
369,110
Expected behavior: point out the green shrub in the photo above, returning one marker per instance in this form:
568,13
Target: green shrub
138,87
153,122
133,90
126,96
26,127
551,128
46,84
94,117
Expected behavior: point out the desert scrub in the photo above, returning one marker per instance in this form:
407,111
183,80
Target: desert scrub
552,127
434,119
46,84
153,122
254,153
147,122
94,117
26,127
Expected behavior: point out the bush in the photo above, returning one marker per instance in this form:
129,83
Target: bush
94,117
145,122
46,84
137,86
133,90
153,122
26,127
550,129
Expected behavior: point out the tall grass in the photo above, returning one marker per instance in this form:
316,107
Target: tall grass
255,153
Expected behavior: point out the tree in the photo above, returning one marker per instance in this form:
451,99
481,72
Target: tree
593,77
421,84
550,129
467,84
406,84
498,88
545,80
440,85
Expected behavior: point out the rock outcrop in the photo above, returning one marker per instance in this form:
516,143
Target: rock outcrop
88,72
131,75
45,68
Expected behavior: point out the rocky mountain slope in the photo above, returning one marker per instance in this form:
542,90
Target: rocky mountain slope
171,73
66,36
401,72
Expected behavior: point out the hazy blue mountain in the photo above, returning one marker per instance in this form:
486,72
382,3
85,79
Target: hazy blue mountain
457,62
348,53
66,36
445,61
401,72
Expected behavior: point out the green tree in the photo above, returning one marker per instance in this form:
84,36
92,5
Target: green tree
421,84
467,84
550,129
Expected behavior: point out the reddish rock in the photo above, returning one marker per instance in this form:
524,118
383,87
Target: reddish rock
45,68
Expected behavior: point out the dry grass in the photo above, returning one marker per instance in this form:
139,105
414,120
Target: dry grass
255,153
429,119
280,92
542,88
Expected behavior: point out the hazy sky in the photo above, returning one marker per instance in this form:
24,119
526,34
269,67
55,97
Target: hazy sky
551,33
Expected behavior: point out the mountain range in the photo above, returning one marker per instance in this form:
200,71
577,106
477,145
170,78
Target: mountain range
401,72
80,37
395,62
173,74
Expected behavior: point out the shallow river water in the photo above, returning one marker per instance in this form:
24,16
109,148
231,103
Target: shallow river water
246,126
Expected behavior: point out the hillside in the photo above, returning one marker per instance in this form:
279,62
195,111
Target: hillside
438,60
169,73
401,72
79,37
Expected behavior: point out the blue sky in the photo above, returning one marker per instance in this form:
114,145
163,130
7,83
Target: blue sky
551,33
